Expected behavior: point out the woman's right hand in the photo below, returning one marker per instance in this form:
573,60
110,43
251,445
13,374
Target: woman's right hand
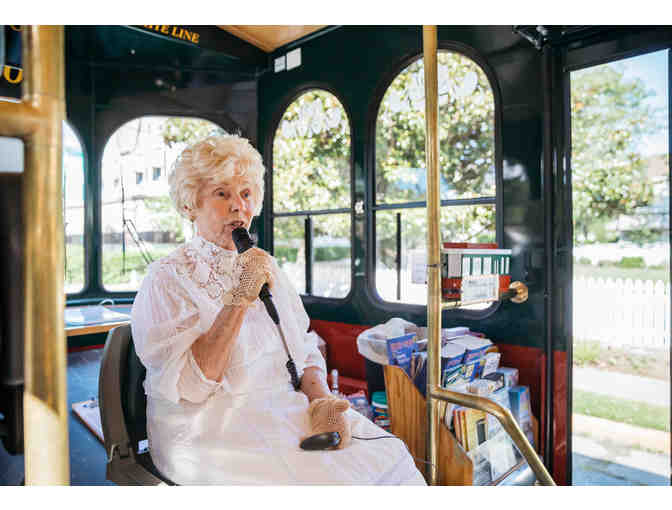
252,269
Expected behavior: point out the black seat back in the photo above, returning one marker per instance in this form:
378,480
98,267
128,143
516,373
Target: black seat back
133,398
123,412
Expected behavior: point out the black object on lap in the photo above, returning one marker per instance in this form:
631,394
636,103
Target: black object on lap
324,441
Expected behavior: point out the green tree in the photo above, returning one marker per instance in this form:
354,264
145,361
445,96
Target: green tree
466,154
164,217
609,119
311,161
312,166
187,130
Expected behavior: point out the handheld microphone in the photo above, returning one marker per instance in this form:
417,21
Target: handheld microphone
241,238
243,242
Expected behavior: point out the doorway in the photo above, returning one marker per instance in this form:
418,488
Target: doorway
621,289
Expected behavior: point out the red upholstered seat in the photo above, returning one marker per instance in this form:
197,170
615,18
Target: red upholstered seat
342,354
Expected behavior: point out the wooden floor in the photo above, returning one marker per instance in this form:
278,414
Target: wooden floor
87,455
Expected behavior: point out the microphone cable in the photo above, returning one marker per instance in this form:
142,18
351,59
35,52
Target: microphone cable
241,238
393,437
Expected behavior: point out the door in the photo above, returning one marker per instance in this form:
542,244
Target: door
620,359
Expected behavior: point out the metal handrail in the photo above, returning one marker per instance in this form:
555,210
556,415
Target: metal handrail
38,119
506,419
434,305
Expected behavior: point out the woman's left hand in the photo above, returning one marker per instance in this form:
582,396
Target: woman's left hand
327,414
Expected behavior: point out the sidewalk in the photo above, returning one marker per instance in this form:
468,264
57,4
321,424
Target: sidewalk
622,434
610,453
626,386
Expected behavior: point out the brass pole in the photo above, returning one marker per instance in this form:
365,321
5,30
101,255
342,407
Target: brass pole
39,119
429,42
434,392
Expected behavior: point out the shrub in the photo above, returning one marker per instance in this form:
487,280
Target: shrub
585,261
632,262
286,253
326,253
606,263
586,352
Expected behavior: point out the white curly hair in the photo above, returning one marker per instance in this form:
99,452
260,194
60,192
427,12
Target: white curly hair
211,160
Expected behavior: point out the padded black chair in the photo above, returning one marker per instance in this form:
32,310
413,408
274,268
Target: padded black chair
123,412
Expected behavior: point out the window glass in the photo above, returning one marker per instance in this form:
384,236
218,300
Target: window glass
468,223
331,255
466,133
290,249
311,172
466,169
73,210
139,222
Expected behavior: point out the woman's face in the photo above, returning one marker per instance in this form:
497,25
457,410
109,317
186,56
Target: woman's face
222,207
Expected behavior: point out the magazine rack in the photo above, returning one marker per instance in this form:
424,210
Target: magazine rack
408,416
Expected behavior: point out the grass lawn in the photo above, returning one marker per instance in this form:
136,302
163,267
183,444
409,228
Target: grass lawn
621,410
112,262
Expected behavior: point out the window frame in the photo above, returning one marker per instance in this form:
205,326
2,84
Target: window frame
126,296
371,207
86,233
270,214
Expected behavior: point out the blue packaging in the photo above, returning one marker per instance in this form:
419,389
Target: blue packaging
399,351
519,397
471,370
451,355
501,397
453,375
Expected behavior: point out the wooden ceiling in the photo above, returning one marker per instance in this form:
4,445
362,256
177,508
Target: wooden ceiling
270,37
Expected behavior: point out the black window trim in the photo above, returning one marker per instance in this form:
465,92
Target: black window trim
270,215
85,198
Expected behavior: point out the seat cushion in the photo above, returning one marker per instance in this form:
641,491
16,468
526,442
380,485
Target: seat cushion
342,354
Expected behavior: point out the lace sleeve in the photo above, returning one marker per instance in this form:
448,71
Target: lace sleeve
165,323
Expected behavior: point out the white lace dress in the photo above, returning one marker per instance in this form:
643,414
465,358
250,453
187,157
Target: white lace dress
246,428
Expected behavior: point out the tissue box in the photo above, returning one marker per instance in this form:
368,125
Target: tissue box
475,347
510,376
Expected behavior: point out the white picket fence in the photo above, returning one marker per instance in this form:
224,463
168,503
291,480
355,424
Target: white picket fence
622,312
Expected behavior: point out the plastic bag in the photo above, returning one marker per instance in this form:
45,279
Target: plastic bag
372,343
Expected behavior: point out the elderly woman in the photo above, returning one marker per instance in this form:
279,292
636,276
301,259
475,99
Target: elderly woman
220,406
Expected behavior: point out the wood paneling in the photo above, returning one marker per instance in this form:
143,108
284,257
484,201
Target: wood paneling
270,37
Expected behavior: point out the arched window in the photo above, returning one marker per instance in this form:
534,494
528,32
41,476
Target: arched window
73,210
139,222
312,200
466,165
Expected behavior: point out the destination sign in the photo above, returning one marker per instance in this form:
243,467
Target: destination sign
176,32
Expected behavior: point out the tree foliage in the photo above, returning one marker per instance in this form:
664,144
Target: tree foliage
187,130
609,120
311,167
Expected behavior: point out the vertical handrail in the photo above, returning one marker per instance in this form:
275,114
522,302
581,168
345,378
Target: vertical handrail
37,120
429,43
434,306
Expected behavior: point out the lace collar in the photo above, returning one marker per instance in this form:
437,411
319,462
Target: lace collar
210,251
207,265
